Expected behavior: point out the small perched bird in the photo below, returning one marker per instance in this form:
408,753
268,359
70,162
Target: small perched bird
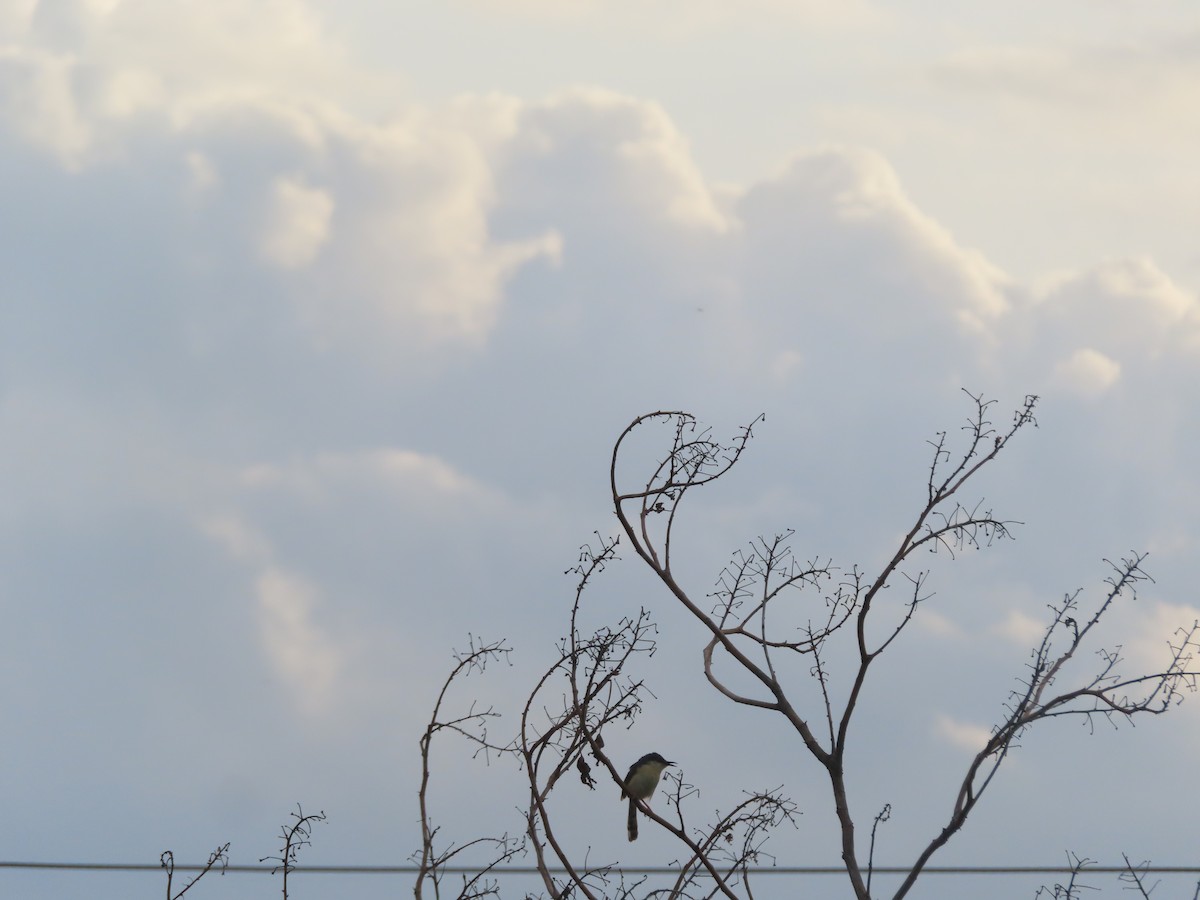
640,784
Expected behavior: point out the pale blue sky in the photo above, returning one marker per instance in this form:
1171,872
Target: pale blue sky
318,322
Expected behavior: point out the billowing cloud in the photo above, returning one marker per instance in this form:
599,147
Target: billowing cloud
305,658
1088,372
608,171
201,173
388,221
1158,632
37,100
1118,304
831,199
962,735
239,539
414,476
1021,628
939,626
298,224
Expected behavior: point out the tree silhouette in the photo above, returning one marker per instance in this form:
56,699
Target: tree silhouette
769,607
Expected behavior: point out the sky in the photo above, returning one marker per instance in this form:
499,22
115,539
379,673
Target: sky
319,321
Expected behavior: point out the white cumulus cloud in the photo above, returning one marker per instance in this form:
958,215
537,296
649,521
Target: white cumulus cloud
37,98
1021,628
1119,303
298,224
407,473
1158,629
963,735
1087,372
303,655
239,539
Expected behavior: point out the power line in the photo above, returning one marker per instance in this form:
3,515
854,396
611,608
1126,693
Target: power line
642,870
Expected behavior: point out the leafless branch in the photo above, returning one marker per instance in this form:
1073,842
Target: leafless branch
882,816
1071,890
741,629
473,727
760,575
1134,877
294,836
770,607
1104,694
167,861
732,844
561,721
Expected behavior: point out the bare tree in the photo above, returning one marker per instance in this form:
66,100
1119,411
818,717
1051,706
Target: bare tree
589,686
1074,886
560,729
1136,877
1133,877
167,861
432,859
759,578
294,837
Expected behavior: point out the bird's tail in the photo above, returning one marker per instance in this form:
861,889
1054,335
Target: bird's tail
632,819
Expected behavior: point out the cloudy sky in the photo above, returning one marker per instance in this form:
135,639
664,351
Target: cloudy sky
318,322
